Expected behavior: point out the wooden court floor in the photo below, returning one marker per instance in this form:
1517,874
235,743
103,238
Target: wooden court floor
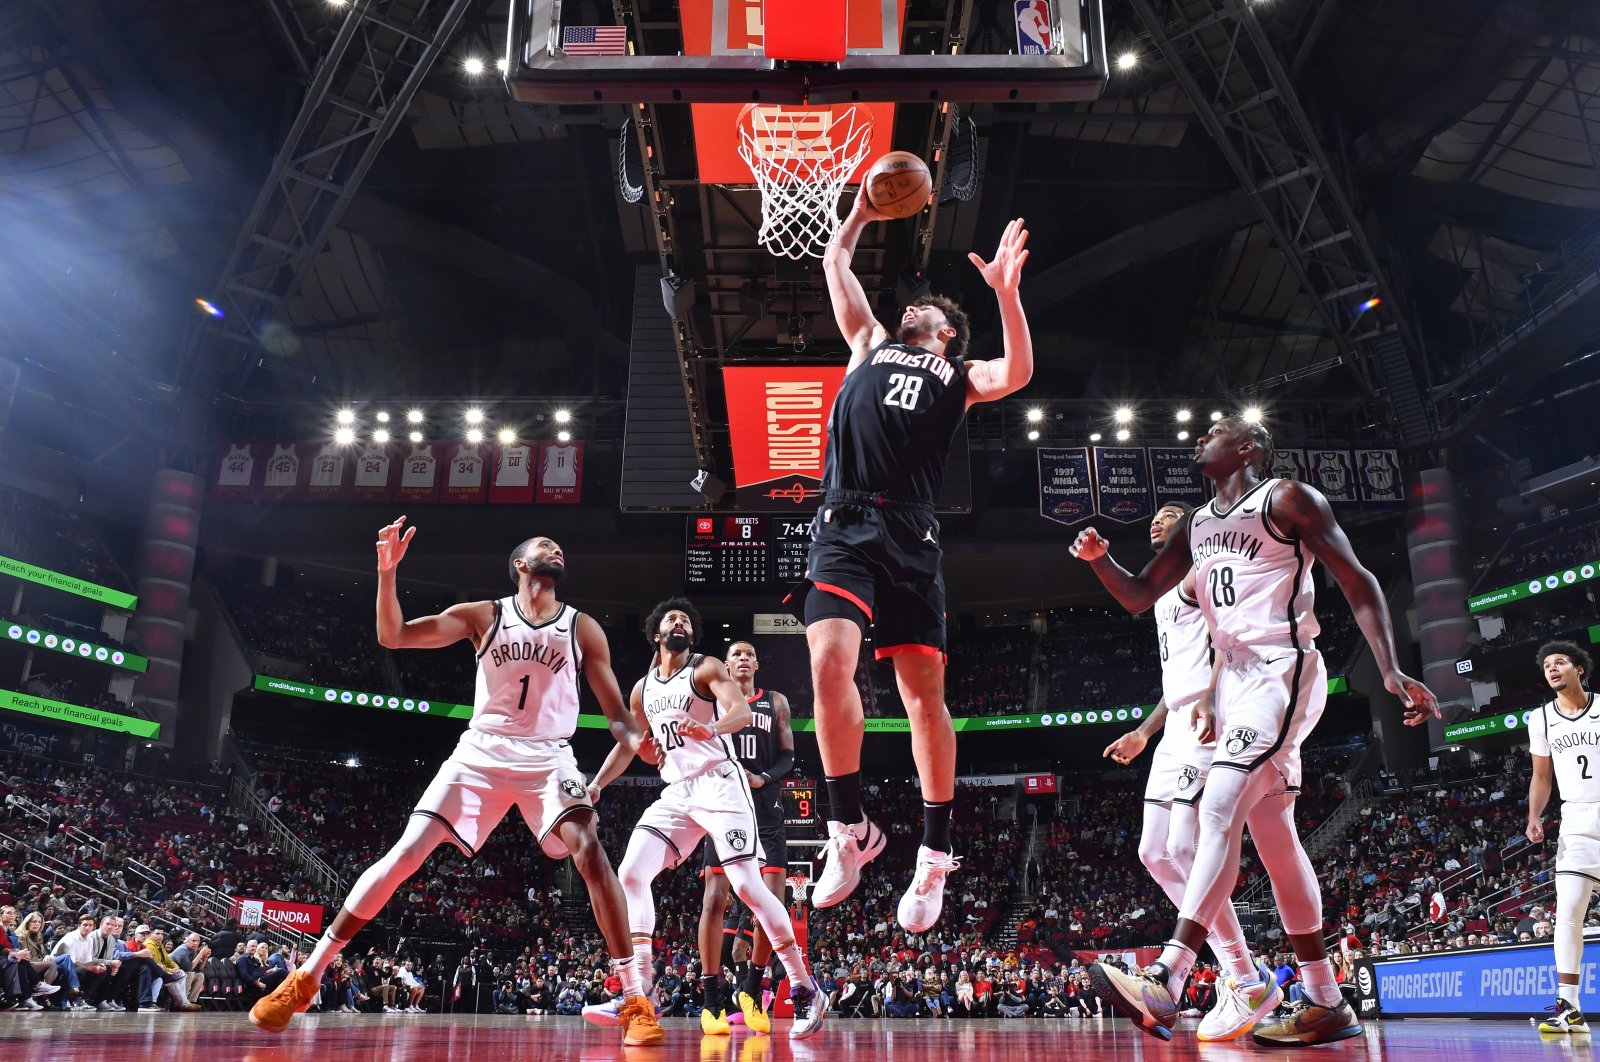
419,1038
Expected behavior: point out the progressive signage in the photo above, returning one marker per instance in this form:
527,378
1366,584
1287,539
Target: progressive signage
1509,981
60,643
70,584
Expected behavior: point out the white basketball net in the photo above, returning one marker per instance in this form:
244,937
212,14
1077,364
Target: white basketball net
802,157
799,883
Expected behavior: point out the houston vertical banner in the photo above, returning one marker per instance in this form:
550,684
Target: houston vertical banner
1066,491
778,422
1122,484
1174,476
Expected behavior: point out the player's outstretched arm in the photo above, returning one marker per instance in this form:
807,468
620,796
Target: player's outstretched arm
621,754
851,309
991,380
469,619
1126,748
1539,786
1303,512
625,728
711,674
1136,593
782,726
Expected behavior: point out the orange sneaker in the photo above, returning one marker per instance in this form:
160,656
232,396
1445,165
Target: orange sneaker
273,1011
640,1027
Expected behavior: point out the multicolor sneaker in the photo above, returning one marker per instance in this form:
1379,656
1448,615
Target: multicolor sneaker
849,848
755,1016
1144,999
810,1008
920,906
1240,1006
273,1012
607,1015
1564,1018
715,1023
1310,1025
639,1023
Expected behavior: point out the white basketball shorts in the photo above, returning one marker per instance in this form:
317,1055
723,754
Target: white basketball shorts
488,773
1268,701
715,804
1179,766
1578,850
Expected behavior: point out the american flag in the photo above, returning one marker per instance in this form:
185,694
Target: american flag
594,40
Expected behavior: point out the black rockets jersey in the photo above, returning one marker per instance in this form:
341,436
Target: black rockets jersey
893,421
756,747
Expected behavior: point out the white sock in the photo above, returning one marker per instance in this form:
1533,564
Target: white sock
1569,993
1179,960
1321,988
794,962
628,970
642,962
327,947
1236,960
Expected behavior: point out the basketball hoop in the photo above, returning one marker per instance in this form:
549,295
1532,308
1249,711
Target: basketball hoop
799,883
802,157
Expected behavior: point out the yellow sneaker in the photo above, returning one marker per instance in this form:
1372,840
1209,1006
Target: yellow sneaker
639,1024
715,1024
755,1019
273,1012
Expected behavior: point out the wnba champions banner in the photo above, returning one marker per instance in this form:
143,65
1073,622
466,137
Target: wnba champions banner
1175,477
1066,493
778,424
1122,484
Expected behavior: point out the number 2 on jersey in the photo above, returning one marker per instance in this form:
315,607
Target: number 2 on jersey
670,738
904,391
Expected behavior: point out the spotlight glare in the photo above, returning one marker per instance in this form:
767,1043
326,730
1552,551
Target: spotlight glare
416,436
474,436
1094,436
1033,435
347,416
1183,416
1122,434
507,436
344,436
383,418
1127,60
381,435
1252,415
563,436
501,65
473,66
563,416
1123,414
414,416
1182,435
1035,415
207,307
1216,415
474,415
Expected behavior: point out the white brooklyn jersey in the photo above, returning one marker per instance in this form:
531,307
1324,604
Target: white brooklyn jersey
1253,583
1573,745
668,704
528,676
1185,649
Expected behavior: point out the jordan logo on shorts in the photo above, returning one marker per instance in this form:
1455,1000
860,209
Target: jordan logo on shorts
1186,777
1239,739
573,789
927,536
737,839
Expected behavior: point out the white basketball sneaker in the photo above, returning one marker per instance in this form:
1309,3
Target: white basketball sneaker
849,848
810,1009
920,906
1240,1006
607,1015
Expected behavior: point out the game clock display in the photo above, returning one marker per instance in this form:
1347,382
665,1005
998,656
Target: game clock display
800,803
745,554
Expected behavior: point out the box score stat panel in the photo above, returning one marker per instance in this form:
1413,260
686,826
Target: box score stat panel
745,554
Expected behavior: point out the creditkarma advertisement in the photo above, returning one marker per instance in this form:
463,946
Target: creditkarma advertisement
1507,982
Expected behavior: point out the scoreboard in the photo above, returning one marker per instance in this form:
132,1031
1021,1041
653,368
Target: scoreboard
800,803
732,554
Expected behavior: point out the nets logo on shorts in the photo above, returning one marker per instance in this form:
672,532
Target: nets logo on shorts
573,789
1238,739
1186,776
737,839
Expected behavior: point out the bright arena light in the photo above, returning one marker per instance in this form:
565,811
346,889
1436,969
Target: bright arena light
473,66
381,435
1094,436
416,436
1127,60
564,436
347,416
508,436
474,436
1122,434
1216,415
563,416
1123,414
414,416
1035,415
1182,435
501,65
1033,436
383,418
1183,416
344,436
474,415
1252,415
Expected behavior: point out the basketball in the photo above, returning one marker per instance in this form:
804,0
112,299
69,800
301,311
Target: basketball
899,184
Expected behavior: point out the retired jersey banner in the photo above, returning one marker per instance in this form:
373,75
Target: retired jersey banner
239,469
466,471
288,467
331,469
778,423
1122,484
1066,492
511,474
419,472
1378,476
1175,477
1331,472
1288,464
375,468
560,479
300,917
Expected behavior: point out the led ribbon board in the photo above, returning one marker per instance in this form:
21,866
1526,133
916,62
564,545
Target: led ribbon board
1487,726
61,712
69,583
60,643
1561,580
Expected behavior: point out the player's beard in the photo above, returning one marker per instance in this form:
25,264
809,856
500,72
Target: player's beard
546,570
906,333
676,642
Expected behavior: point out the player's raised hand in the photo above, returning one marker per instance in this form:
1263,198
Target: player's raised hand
1421,704
1126,748
392,544
864,209
1535,831
1003,273
647,749
1089,546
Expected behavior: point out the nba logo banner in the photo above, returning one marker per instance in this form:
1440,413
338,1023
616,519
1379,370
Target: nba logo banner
1175,477
1122,484
1288,464
560,473
1034,36
1330,472
1378,473
465,469
511,480
1066,494
239,468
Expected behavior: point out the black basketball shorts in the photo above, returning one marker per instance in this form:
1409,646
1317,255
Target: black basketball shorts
879,565
774,846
